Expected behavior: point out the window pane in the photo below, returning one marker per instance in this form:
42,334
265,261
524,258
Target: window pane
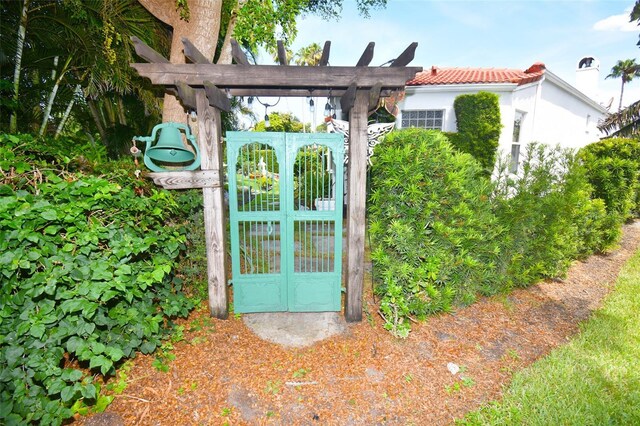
438,114
422,114
515,157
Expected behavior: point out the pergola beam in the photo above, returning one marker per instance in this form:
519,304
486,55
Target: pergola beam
147,53
324,59
405,57
237,53
192,53
367,55
277,77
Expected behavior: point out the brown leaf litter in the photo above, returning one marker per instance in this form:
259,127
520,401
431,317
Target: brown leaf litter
224,374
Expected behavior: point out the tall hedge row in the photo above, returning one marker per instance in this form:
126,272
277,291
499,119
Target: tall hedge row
87,275
613,169
442,233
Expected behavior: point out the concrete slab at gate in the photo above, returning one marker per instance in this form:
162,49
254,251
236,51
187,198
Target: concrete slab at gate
295,329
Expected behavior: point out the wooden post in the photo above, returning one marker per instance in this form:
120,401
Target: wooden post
356,205
209,142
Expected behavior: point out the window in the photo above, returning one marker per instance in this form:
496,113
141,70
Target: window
426,119
515,158
515,147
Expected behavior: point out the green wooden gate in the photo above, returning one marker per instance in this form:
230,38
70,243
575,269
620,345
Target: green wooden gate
285,203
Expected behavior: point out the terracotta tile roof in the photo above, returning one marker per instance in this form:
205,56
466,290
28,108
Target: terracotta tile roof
436,75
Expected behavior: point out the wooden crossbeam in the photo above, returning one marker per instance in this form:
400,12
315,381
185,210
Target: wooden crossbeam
324,59
349,97
282,54
321,93
186,94
277,77
217,98
367,55
192,53
405,57
237,53
374,97
147,53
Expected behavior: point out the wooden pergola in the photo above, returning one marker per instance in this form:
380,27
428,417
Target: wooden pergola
204,86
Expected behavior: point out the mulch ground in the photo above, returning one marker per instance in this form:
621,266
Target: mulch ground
225,374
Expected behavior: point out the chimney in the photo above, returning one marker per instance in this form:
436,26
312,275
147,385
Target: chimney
587,75
434,70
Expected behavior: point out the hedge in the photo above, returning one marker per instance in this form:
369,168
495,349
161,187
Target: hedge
479,126
441,236
435,239
613,169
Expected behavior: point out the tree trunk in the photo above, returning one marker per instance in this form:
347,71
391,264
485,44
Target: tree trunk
98,121
22,31
122,116
67,111
202,30
225,52
54,92
621,93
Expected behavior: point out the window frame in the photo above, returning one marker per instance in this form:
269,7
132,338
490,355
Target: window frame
516,142
416,120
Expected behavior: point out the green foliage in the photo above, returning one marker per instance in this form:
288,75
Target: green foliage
435,238
87,276
549,214
440,235
312,185
590,381
613,169
281,122
478,122
311,180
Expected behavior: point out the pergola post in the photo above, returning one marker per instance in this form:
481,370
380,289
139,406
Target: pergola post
356,205
210,144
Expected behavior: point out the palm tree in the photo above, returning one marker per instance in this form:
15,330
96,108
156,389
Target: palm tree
626,69
309,55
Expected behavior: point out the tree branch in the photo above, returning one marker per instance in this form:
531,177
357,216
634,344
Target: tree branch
164,10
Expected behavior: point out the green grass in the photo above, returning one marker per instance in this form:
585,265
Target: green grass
593,380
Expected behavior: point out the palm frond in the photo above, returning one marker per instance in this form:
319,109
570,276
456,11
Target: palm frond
625,123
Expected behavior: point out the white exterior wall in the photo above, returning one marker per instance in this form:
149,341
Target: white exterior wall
562,118
553,113
525,99
442,97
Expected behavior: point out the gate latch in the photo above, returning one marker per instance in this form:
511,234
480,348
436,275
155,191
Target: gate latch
269,228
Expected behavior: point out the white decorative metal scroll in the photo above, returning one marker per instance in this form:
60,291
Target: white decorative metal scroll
375,132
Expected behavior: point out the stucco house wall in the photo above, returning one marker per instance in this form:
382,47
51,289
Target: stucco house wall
552,111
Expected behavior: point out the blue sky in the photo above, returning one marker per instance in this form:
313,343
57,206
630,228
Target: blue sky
496,33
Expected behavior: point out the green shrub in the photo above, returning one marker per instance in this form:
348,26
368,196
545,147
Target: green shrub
435,240
613,169
549,214
311,179
440,235
86,266
479,126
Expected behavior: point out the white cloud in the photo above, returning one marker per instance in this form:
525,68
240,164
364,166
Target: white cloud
616,23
